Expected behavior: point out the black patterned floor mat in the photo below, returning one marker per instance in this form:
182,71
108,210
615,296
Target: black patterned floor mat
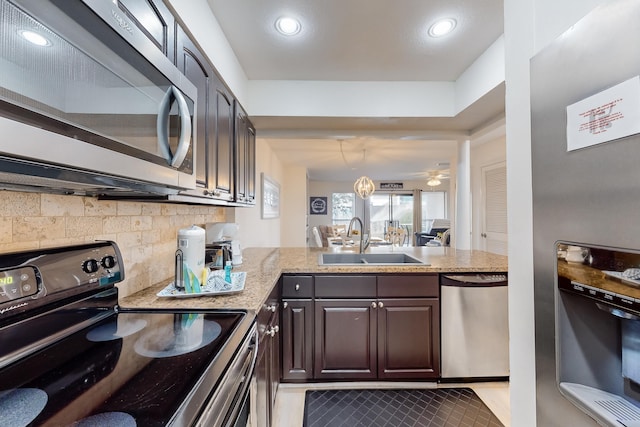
443,407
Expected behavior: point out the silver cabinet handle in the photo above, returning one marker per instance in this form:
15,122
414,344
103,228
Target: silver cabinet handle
285,304
184,141
380,305
373,304
297,287
272,308
211,193
272,331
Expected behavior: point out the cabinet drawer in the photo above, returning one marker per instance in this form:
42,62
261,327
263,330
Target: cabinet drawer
346,286
392,286
297,287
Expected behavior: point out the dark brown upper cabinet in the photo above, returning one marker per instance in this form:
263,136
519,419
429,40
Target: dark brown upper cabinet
155,21
245,165
225,158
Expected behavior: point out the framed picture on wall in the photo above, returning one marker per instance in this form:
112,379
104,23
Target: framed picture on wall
270,197
317,205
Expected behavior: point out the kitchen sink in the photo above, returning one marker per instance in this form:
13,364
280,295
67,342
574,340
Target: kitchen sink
367,259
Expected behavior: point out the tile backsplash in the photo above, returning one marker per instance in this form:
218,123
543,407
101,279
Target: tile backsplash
145,232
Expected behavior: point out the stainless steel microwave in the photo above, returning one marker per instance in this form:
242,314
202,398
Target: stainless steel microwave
88,105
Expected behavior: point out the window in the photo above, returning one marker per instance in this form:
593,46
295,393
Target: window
390,210
434,205
343,208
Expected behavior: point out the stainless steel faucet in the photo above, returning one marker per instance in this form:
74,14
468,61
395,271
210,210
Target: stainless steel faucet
363,245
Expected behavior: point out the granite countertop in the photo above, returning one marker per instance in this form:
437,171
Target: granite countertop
265,265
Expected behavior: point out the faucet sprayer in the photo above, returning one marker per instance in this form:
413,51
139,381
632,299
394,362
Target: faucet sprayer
363,245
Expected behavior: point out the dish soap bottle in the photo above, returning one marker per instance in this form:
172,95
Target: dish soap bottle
227,272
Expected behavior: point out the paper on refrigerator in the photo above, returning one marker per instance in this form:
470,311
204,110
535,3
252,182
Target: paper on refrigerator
606,116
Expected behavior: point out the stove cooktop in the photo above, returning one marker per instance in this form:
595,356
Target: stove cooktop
131,368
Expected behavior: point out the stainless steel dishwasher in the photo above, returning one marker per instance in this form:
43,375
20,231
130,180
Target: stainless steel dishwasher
474,326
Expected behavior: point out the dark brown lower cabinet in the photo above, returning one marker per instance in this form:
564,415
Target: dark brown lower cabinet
267,371
383,339
345,338
360,327
407,344
297,339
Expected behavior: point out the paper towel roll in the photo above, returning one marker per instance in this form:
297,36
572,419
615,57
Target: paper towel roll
191,241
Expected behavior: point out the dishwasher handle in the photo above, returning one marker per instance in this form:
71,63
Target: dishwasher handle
474,280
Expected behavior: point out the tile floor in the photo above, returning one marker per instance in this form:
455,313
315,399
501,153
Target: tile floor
289,409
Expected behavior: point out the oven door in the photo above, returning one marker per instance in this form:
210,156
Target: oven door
94,78
229,406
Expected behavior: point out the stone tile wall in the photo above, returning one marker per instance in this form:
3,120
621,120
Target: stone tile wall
145,232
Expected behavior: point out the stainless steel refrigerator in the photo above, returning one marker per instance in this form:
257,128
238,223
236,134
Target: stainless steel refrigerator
587,197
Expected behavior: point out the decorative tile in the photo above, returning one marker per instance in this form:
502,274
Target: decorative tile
443,407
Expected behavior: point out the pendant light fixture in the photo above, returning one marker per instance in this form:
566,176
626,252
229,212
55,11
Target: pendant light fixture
364,187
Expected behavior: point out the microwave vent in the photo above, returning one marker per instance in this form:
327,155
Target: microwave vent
26,175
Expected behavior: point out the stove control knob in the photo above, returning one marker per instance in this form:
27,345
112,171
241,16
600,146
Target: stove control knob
108,261
90,266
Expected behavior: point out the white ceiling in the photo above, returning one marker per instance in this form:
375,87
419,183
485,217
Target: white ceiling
364,40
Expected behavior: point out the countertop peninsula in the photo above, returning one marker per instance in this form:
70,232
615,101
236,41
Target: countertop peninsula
265,265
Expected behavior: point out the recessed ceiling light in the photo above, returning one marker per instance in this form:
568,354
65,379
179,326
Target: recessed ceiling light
442,27
35,38
288,26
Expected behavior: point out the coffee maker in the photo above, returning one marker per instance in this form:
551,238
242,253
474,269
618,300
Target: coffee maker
220,240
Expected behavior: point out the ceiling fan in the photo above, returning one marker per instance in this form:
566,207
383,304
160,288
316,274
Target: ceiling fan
434,177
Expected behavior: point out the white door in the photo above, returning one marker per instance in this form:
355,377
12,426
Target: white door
494,209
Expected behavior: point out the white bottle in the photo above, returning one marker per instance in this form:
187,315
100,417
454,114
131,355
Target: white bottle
191,241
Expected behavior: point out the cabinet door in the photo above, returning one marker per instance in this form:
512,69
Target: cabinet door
274,362
197,69
241,122
155,21
267,371
345,339
251,164
222,152
262,414
297,339
245,157
408,338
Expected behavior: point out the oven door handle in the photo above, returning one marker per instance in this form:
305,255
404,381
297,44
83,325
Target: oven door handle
184,141
227,400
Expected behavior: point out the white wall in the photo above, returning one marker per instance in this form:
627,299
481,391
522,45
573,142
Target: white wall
351,99
529,26
484,74
461,233
293,212
255,231
289,229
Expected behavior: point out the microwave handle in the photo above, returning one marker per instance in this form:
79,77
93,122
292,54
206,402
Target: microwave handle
176,159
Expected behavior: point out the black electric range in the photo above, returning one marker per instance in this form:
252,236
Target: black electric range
69,356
